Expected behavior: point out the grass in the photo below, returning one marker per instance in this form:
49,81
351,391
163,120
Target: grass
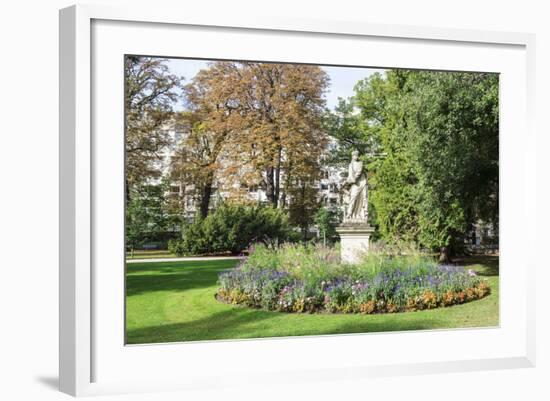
174,301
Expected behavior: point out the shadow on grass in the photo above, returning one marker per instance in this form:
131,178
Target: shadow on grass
173,276
487,266
208,327
173,266
231,324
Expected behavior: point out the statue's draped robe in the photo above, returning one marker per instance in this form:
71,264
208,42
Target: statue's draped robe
357,205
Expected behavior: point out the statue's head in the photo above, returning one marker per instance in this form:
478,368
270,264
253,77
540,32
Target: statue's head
354,155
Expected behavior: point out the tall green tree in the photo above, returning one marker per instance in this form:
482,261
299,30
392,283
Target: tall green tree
356,122
392,179
452,126
439,132
345,124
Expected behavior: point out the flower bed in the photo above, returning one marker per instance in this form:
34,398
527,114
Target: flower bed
311,279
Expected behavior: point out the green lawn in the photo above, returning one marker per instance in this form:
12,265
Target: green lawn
174,301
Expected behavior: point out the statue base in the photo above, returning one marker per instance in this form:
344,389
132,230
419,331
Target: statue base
354,241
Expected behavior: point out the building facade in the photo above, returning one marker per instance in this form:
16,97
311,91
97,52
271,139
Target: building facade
327,186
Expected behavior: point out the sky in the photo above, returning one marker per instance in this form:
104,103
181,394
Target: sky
342,79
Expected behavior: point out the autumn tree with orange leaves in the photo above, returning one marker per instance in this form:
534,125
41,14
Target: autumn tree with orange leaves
212,117
254,124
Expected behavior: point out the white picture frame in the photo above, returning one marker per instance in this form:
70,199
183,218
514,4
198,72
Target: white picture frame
92,351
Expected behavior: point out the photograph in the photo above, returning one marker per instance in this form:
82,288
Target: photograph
266,199
292,201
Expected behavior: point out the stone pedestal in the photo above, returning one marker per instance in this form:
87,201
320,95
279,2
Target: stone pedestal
354,241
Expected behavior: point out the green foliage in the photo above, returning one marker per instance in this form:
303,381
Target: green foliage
146,217
326,220
301,260
438,132
136,219
232,228
454,126
348,128
303,206
356,123
175,247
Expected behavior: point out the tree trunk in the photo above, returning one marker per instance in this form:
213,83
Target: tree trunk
305,227
127,190
288,183
205,200
206,195
277,187
278,178
270,186
444,255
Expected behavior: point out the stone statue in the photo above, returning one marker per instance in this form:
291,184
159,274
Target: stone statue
355,192
355,231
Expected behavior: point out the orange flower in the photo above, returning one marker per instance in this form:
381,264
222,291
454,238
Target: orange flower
429,299
448,298
411,304
367,307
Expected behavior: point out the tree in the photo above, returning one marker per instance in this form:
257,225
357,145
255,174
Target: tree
280,108
392,179
326,220
146,217
453,129
439,132
150,93
213,116
345,124
195,160
252,124
303,205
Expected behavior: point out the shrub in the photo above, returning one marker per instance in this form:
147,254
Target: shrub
310,278
232,228
175,247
